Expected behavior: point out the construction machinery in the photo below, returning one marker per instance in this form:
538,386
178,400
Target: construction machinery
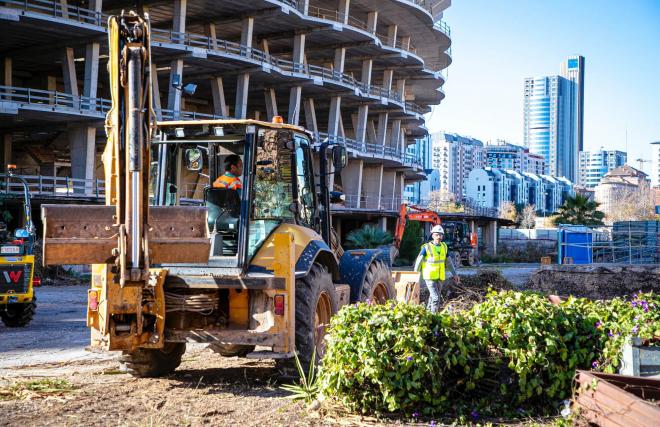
255,272
462,243
17,280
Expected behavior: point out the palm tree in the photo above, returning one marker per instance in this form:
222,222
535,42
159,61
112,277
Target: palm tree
579,210
368,237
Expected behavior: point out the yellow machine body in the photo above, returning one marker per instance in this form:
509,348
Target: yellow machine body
19,291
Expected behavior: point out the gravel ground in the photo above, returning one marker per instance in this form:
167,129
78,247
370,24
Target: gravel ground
206,389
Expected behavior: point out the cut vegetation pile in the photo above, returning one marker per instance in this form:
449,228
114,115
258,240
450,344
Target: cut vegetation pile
513,354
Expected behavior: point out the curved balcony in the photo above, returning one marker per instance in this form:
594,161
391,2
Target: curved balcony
282,66
372,150
57,10
13,99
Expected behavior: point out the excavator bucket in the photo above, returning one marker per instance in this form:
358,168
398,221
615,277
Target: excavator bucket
78,234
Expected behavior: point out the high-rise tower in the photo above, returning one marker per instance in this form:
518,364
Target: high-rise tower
553,117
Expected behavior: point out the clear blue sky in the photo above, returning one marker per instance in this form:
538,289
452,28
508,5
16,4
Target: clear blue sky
496,44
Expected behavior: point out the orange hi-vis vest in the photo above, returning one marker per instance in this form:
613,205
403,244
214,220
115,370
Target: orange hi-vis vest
228,181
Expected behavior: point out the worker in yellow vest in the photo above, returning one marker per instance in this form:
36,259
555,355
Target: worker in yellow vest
231,179
431,263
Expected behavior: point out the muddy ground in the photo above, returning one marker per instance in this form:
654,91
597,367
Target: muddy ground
205,390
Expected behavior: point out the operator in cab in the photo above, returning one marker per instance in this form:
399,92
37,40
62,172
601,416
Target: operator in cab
231,179
431,262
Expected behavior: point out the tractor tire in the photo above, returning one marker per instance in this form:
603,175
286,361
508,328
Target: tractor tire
456,258
231,350
378,286
316,303
149,362
18,315
469,261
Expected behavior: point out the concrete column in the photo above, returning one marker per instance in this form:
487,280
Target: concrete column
263,45
388,188
351,178
391,34
65,8
371,185
310,115
155,89
179,17
335,101
51,85
209,29
176,66
361,123
490,237
372,21
295,94
91,81
69,72
405,43
382,129
395,133
399,185
82,143
387,79
371,132
218,92
365,76
271,103
401,88
174,94
7,150
344,6
243,79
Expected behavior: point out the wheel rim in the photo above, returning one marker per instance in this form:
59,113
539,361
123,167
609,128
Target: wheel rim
380,295
321,321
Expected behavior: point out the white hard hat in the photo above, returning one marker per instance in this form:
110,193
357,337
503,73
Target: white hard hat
437,229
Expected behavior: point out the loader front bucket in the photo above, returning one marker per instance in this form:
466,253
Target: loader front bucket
79,234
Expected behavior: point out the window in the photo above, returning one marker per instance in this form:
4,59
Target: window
305,181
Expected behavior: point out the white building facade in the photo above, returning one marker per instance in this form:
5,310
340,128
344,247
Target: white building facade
596,163
655,164
455,156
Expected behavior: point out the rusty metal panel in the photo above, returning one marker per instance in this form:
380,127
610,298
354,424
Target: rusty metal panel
79,234
617,400
226,336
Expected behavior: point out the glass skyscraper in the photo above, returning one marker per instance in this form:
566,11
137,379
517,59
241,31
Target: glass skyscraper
553,117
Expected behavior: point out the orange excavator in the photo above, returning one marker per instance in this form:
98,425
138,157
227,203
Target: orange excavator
461,241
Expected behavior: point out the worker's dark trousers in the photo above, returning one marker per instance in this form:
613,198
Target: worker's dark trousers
434,287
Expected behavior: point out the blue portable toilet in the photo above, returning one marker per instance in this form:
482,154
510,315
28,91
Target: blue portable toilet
576,242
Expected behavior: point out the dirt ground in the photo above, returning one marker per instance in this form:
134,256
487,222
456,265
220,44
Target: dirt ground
205,390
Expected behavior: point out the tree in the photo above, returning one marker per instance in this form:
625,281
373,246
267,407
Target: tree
368,237
412,239
579,210
527,217
444,201
508,211
632,204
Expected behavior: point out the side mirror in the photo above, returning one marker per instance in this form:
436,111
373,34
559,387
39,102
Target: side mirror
21,233
337,197
339,158
194,159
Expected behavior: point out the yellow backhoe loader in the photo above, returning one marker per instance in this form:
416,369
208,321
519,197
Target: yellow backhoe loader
254,271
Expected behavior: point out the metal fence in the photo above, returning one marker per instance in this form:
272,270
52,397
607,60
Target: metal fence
55,186
627,242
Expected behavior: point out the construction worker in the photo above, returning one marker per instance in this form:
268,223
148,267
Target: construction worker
233,171
431,263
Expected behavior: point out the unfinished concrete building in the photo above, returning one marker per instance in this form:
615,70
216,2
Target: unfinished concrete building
361,72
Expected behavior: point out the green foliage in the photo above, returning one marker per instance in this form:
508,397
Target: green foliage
368,237
307,388
513,352
579,210
412,239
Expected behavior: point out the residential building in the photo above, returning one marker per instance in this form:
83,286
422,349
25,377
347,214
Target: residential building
491,187
360,73
417,191
655,164
455,156
553,117
617,184
596,163
503,155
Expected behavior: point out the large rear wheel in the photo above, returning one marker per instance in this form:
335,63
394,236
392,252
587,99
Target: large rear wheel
150,362
378,286
18,315
316,302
